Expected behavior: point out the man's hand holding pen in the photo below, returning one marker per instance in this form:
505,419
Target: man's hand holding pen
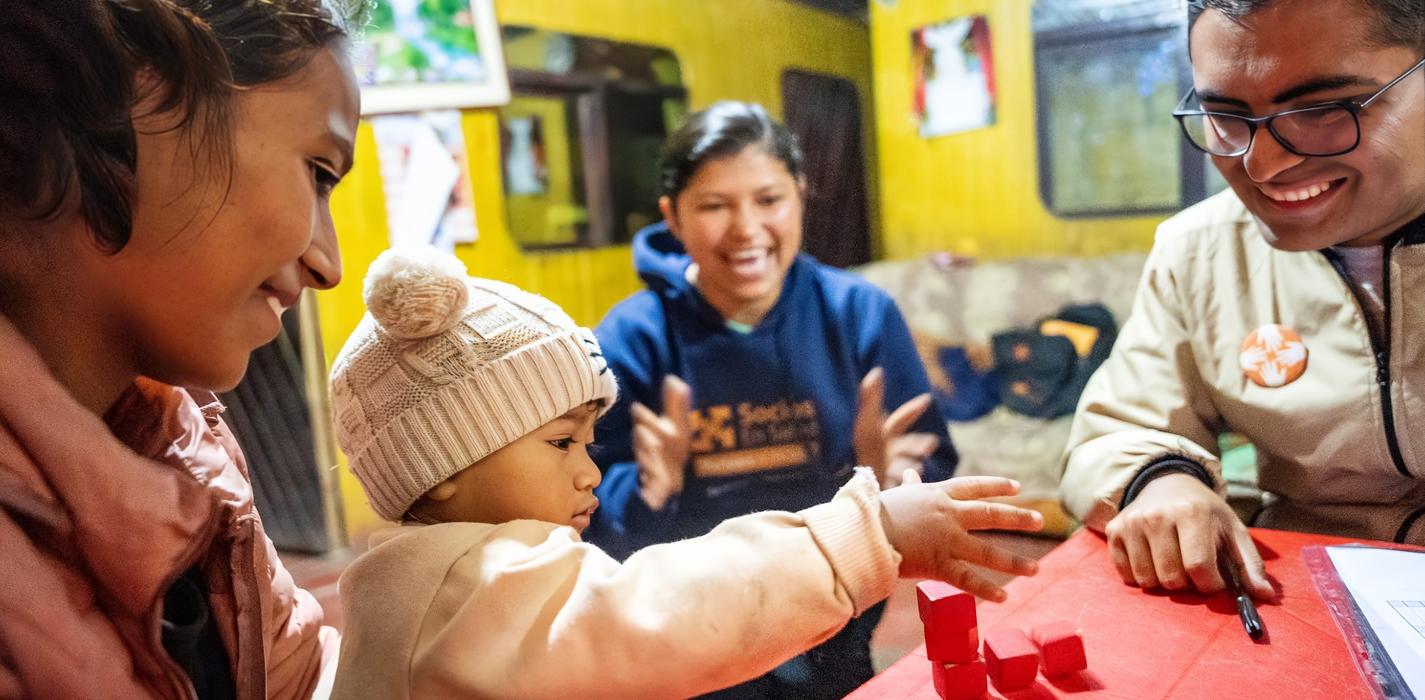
1169,536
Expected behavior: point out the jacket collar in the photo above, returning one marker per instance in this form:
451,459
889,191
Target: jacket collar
134,522
1413,233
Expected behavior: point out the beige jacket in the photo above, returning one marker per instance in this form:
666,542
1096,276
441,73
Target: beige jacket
1341,450
96,521
527,610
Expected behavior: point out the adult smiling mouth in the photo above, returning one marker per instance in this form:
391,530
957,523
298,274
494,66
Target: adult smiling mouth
1298,193
749,263
283,298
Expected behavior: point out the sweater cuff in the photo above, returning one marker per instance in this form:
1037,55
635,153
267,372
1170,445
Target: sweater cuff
849,532
1164,465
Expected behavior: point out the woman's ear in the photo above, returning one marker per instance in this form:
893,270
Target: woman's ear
148,113
670,215
443,491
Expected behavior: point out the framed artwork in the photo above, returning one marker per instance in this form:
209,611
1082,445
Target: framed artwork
421,55
954,76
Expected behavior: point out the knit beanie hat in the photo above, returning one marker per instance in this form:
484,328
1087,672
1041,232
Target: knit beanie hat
445,369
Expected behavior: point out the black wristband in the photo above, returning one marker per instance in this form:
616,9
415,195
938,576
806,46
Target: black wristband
1165,465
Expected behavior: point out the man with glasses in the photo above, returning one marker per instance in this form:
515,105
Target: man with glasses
1290,309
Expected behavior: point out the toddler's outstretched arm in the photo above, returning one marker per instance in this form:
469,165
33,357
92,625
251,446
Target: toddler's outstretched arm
526,610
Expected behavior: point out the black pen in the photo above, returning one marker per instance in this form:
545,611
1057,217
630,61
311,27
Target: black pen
1246,609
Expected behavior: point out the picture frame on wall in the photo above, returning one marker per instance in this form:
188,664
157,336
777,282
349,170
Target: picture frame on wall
953,76
418,55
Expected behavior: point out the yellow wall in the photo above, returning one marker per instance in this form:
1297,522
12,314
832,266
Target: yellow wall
728,49
976,192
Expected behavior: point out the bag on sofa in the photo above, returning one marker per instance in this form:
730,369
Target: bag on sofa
1043,370
968,391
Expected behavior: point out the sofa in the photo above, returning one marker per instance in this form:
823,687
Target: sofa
959,303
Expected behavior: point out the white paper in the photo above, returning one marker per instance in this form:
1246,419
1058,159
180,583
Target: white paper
425,180
430,176
1388,586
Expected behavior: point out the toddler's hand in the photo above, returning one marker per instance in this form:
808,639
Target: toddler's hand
929,525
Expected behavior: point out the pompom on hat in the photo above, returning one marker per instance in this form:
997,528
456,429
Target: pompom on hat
444,369
416,292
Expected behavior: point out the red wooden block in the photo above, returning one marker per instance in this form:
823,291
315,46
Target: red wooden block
1061,648
1011,660
959,681
945,606
950,645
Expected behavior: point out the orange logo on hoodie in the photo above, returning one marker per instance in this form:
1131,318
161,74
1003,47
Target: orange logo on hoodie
1273,356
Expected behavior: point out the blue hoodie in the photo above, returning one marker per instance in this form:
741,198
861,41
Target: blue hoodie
772,407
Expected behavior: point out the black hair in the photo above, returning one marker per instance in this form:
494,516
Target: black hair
69,72
722,130
1398,22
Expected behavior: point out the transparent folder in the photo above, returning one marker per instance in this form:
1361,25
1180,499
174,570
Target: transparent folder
1370,656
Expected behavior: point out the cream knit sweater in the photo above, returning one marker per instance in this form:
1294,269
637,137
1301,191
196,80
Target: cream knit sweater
527,610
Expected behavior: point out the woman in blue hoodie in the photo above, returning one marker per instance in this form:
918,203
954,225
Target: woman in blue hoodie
756,377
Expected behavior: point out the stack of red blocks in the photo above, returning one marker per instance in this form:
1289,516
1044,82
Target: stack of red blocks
952,640
1011,658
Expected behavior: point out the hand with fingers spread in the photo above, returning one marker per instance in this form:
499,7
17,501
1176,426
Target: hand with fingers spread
662,443
1171,534
930,524
881,441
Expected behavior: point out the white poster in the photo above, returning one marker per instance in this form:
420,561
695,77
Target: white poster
426,179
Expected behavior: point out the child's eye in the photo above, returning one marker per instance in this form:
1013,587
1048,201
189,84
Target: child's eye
562,444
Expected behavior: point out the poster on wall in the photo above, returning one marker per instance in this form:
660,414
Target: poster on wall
431,54
426,179
953,76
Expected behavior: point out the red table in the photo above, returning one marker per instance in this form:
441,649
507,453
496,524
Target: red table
1184,646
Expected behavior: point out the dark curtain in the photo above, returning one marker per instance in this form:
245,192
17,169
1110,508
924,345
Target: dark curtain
269,416
825,113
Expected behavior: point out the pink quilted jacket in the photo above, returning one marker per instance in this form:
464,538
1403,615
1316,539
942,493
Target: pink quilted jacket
96,521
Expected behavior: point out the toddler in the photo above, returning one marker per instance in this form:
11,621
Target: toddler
467,407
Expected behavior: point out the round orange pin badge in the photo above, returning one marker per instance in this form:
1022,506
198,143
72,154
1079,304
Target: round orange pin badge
1273,356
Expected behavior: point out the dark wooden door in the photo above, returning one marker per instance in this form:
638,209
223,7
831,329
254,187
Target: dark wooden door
824,112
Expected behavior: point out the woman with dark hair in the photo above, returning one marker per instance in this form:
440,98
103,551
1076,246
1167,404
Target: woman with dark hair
165,168
756,376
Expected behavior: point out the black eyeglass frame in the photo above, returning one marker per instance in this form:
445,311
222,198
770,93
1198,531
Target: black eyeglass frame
1354,107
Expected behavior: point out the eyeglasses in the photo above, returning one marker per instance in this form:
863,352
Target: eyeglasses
1323,130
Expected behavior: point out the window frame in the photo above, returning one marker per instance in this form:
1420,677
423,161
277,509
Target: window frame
590,97
1192,175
